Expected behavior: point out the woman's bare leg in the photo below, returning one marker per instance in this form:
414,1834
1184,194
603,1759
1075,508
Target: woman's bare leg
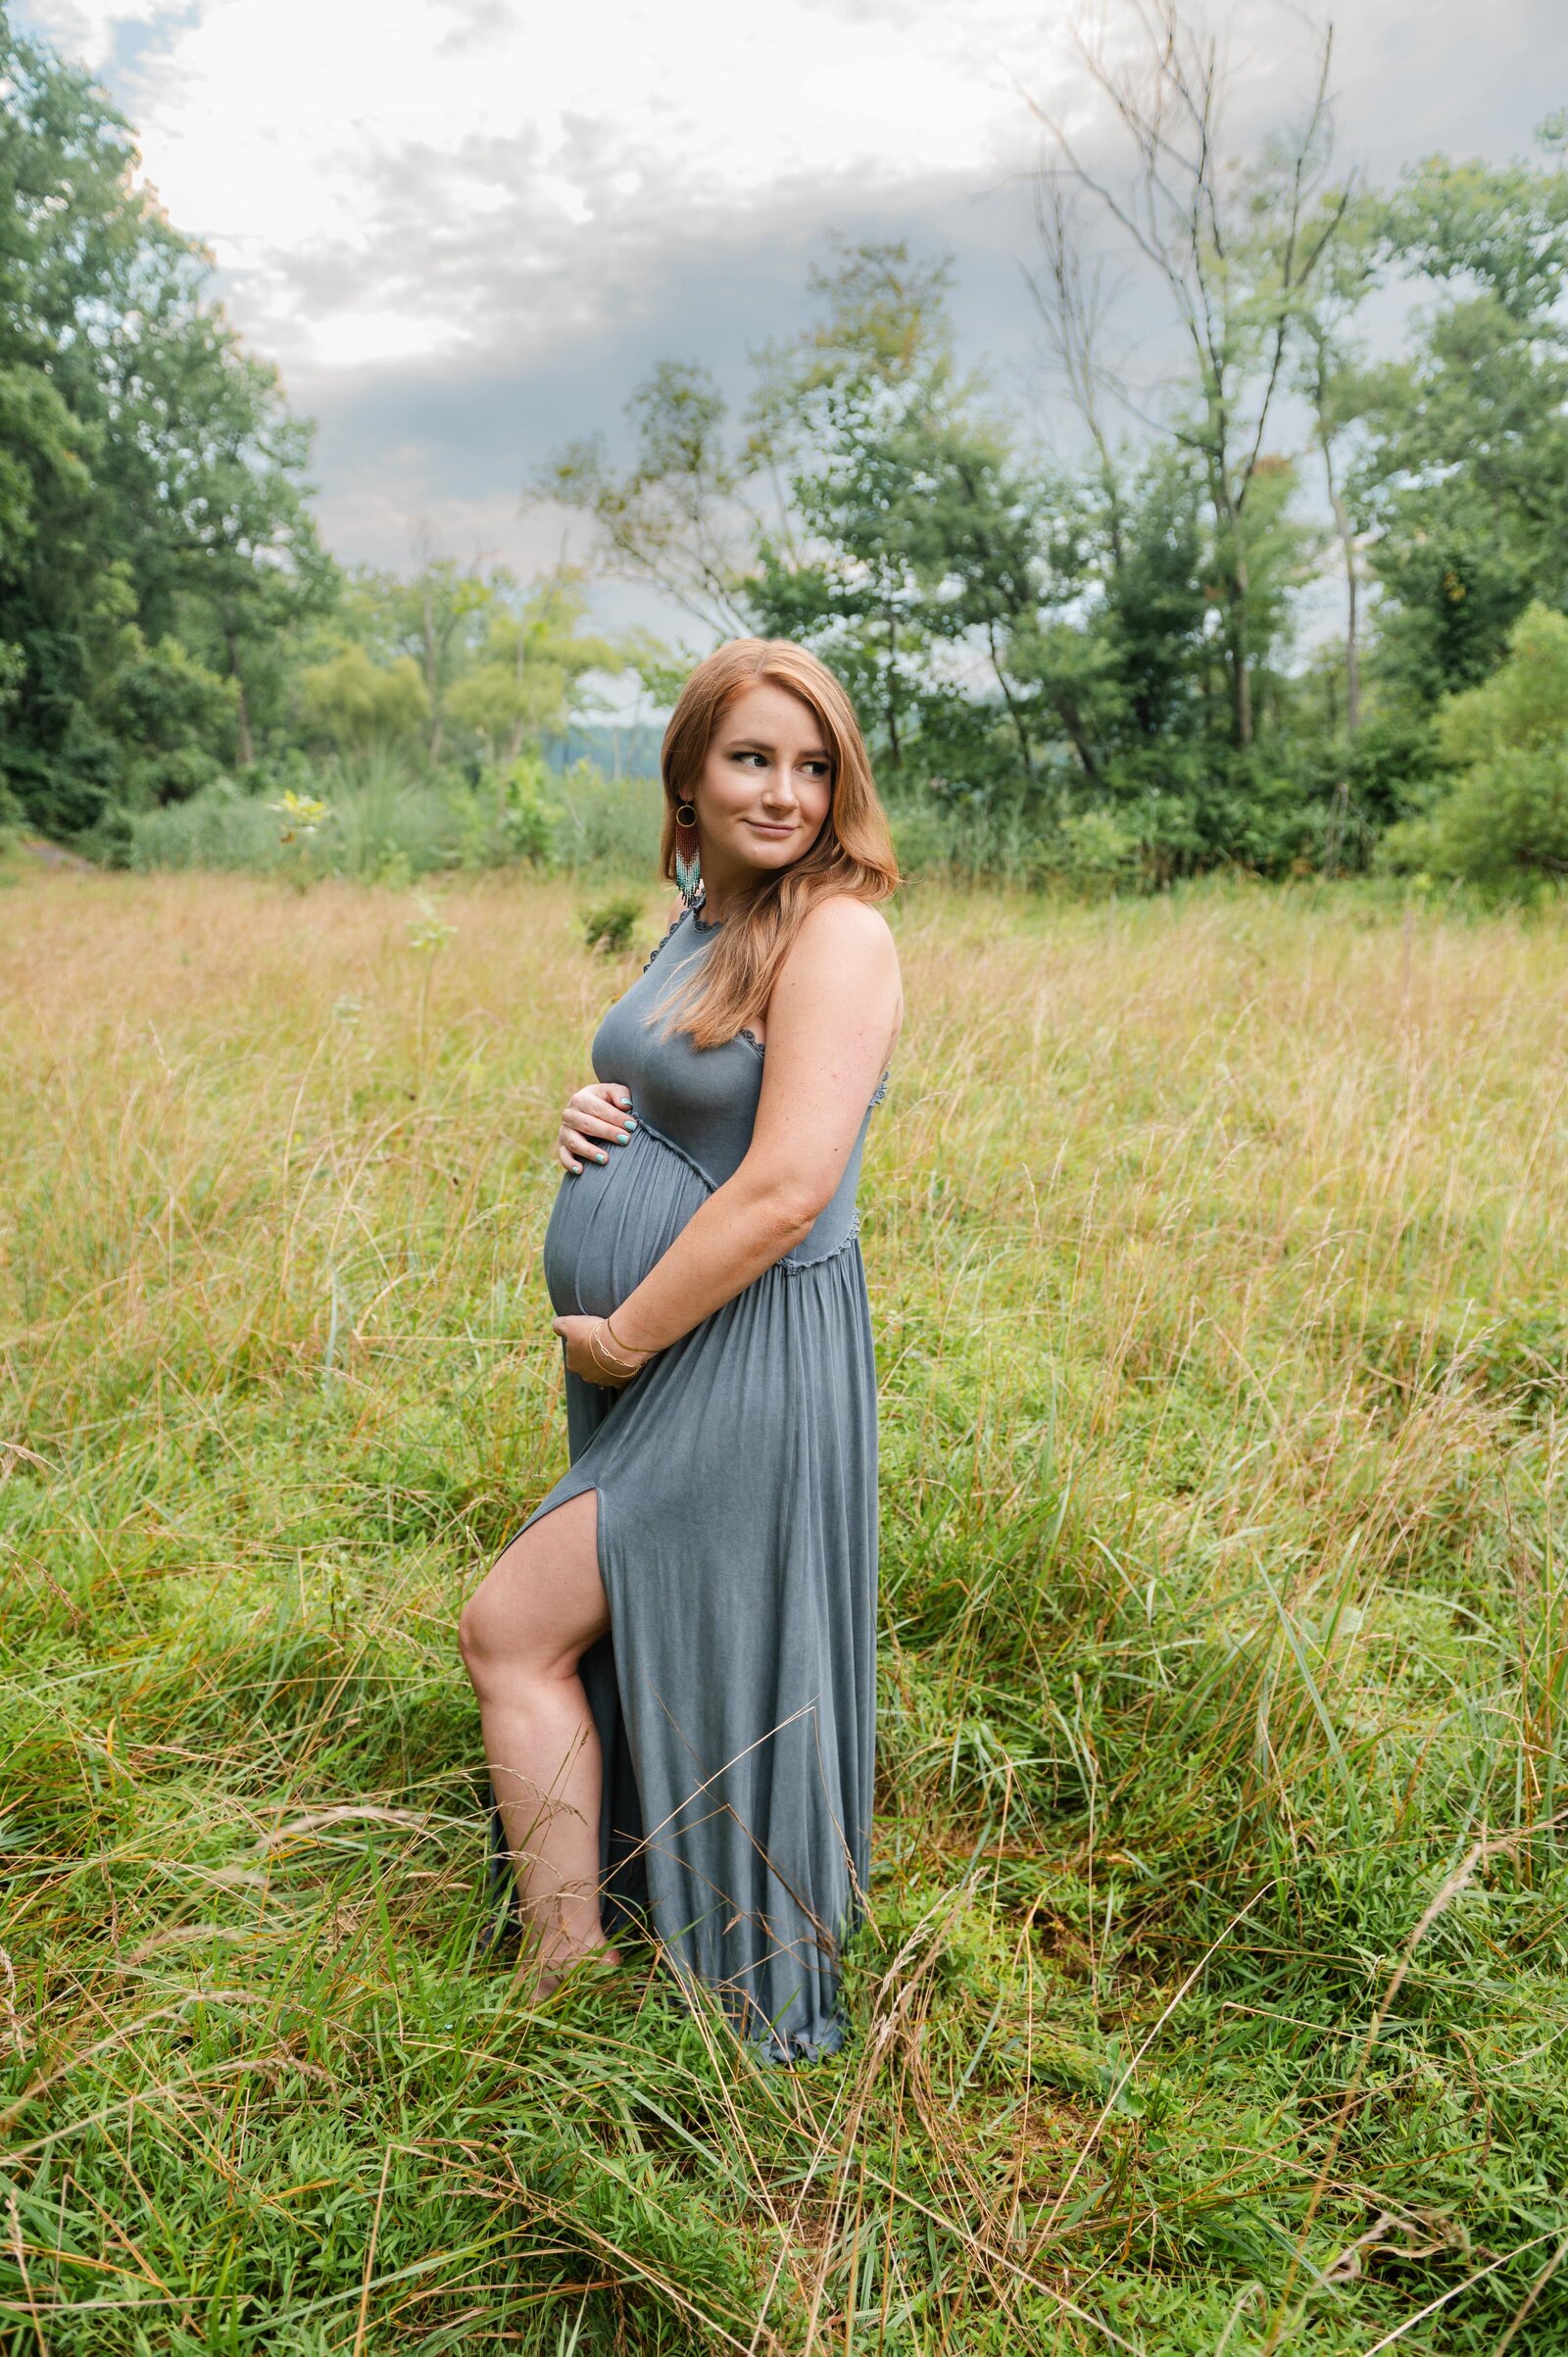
522,1634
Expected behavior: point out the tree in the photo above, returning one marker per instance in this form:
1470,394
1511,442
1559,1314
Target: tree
205,452
680,517
1234,251
1330,376
178,720
434,615
144,454
1465,472
909,559
530,673
360,706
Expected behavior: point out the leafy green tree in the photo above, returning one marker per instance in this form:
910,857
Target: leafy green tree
911,556
436,615
1130,675
1129,660
177,721
1465,475
866,596
359,706
530,678
205,448
142,452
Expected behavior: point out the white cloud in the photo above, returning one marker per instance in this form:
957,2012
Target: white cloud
87,29
279,130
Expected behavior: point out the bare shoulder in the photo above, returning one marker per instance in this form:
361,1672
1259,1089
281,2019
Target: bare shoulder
843,966
843,929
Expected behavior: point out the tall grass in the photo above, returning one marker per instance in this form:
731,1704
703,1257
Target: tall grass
386,825
1214,1999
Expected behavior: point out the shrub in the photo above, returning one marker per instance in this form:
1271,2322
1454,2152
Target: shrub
1505,824
922,840
1093,854
610,924
221,828
957,835
527,817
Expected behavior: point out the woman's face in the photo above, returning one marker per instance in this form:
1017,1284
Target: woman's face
764,789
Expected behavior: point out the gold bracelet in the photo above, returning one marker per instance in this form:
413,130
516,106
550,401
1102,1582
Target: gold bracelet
600,1359
628,1349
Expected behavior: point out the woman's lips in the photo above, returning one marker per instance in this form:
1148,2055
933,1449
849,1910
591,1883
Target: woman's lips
761,826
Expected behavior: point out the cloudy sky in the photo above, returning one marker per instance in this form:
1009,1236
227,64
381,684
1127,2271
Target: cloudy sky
465,228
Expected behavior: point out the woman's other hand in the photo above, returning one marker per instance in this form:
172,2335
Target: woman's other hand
596,1118
580,1359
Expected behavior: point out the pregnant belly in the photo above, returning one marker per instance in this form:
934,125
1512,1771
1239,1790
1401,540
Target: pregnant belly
612,1221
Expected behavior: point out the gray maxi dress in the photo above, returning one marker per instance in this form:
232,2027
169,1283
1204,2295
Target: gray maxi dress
734,1693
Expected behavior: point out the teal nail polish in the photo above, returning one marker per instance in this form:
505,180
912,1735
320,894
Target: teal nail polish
631,1121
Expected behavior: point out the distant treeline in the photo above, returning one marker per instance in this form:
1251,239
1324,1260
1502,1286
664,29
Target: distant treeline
1099,664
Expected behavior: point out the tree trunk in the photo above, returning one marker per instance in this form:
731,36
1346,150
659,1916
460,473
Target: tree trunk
1352,589
1025,751
432,683
247,747
1342,525
1241,668
895,756
890,699
1068,714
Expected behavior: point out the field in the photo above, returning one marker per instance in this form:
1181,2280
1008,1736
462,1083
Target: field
1215,2000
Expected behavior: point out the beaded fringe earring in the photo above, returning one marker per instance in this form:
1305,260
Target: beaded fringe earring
688,866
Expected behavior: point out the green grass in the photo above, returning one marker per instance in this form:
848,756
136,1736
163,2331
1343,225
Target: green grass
1215,1999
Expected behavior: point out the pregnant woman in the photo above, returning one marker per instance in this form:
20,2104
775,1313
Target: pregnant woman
675,1656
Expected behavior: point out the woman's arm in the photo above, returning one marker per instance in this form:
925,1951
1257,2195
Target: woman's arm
832,1022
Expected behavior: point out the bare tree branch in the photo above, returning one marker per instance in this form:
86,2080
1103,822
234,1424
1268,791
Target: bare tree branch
1235,253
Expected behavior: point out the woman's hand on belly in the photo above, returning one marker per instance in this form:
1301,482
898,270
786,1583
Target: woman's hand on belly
597,1117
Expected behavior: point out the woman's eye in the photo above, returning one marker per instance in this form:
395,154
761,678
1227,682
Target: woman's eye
815,768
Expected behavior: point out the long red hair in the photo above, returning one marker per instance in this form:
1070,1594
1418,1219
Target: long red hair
852,853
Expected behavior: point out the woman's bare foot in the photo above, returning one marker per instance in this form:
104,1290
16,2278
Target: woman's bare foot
548,1975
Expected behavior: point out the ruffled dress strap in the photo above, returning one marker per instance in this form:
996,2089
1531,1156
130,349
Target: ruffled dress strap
674,927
